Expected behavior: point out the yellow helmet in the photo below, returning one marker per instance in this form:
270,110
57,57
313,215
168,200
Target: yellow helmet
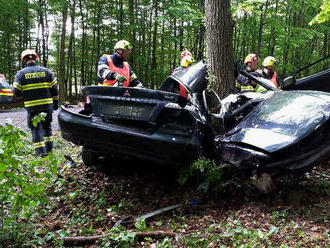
269,61
187,61
251,57
28,54
123,44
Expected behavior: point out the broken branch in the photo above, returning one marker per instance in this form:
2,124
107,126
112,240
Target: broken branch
82,240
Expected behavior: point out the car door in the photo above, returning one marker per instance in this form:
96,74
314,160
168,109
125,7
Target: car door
319,81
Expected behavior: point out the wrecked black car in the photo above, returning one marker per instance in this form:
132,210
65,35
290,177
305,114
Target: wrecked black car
6,92
273,132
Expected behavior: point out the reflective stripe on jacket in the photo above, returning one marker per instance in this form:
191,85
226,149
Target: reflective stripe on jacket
122,71
38,87
274,79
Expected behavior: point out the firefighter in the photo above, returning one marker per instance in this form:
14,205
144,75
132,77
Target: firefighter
113,70
268,72
186,60
38,87
243,83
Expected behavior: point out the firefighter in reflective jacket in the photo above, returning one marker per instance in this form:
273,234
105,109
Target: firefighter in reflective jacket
186,60
243,83
113,70
268,72
37,85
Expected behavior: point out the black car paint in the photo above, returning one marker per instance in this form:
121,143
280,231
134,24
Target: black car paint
173,136
269,139
147,137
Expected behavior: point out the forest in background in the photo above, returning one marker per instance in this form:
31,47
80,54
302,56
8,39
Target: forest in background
71,35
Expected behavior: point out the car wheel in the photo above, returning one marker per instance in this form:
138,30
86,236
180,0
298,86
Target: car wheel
89,157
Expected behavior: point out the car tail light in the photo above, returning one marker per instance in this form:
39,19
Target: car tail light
88,100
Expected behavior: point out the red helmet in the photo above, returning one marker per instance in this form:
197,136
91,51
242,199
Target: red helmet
28,54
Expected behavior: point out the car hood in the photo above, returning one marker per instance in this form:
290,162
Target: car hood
281,120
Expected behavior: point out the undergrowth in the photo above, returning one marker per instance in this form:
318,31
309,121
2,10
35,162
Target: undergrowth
23,187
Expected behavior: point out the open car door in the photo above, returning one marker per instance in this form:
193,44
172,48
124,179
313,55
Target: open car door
319,81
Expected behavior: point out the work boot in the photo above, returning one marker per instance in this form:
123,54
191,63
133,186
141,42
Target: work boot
40,152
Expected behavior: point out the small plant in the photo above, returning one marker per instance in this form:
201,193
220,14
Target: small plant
118,237
141,225
208,173
38,118
23,187
276,216
165,243
194,241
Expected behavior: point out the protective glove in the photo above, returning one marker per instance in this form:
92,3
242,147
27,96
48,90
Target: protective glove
55,104
119,78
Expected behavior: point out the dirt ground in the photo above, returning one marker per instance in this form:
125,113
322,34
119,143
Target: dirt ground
96,198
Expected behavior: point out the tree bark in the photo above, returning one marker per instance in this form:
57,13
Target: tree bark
154,47
61,74
83,45
71,44
219,33
261,25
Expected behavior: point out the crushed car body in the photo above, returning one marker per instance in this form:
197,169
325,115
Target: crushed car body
273,132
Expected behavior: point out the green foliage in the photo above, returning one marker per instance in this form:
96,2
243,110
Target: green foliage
38,118
178,223
324,15
194,241
23,184
208,173
233,234
165,243
141,225
118,237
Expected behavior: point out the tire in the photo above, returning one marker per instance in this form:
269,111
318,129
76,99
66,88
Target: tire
89,157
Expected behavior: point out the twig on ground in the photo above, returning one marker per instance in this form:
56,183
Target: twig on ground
82,240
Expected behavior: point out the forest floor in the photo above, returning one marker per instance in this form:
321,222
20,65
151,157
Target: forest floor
89,201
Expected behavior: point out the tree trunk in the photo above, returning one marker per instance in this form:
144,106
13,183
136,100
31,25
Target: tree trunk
83,45
219,33
261,25
70,51
326,49
154,47
61,74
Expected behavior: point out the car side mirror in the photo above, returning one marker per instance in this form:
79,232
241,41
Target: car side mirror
288,81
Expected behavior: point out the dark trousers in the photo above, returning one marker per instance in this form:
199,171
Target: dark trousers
42,136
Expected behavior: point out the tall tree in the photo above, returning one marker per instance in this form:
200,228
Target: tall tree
61,72
219,33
